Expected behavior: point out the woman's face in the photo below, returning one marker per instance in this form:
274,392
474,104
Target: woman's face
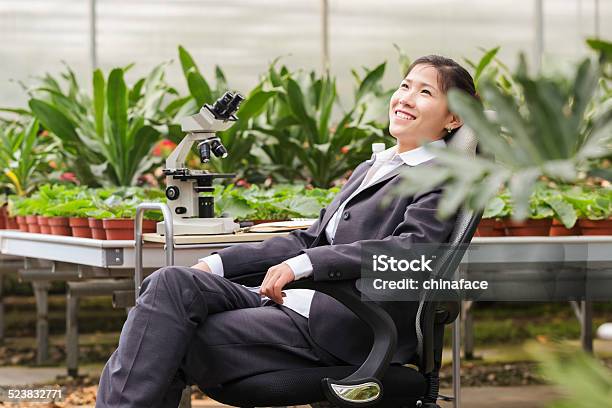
418,111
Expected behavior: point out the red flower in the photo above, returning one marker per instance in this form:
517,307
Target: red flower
243,183
68,176
163,147
344,149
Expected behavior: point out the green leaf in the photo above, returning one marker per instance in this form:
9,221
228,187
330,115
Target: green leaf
521,187
99,100
187,63
473,115
199,88
370,82
117,102
564,210
296,103
254,104
220,78
484,62
55,121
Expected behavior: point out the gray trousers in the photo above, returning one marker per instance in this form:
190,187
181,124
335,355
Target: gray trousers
193,327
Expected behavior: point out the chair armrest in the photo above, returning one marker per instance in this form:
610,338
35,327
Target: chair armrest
364,386
447,312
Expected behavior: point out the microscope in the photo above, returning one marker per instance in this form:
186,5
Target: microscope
194,214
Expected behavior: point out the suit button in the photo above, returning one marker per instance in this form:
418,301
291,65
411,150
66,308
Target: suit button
346,215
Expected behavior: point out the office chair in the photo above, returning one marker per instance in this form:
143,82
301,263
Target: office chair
375,382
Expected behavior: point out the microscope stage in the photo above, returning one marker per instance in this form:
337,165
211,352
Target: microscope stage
200,226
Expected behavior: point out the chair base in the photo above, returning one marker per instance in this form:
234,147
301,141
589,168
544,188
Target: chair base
402,387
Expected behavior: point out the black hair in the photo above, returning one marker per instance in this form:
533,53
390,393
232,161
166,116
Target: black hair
450,75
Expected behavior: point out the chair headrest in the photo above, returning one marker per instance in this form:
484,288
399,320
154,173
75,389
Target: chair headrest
465,139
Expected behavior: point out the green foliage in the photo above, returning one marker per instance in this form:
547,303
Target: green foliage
301,138
23,156
584,382
75,201
498,207
106,137
279,203
491,68
589,202
566,202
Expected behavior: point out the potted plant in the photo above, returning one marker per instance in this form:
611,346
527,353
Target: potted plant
62,203
540,217
121,204
492,222
565,218
106,137
3,211
17,211
594,207
11,218
78,218
47,197
32,205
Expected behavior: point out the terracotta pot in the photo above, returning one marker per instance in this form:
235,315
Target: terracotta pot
529,227
11,223
149,226
32,222
3,216
80,227
557,229
21,222
118,228
44,224
595,227
60,226
490,227
97,229
123,228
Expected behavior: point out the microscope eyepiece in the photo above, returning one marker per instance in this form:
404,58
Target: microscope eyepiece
226,105
232,106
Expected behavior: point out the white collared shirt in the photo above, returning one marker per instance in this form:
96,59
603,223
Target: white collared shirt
384,162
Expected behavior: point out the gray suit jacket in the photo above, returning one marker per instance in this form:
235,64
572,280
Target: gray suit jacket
406,220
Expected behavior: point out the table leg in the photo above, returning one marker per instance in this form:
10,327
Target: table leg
1,309
72,334
41,293
467,320
457,362
586,326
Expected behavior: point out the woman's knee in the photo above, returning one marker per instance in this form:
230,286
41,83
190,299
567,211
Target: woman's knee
168,275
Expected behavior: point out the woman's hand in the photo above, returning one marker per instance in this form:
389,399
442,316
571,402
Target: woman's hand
274,282
203,266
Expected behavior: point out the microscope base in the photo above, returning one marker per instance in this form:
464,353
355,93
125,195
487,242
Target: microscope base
201,226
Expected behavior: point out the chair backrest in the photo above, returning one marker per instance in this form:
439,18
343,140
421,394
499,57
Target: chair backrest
466,222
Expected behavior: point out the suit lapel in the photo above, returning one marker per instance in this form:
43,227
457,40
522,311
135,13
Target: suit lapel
353,184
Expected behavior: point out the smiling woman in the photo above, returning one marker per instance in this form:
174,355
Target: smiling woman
204,328
418,110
